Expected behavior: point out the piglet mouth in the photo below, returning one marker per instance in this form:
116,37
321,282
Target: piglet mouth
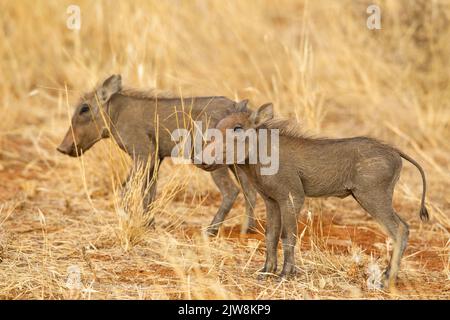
71,152
75,150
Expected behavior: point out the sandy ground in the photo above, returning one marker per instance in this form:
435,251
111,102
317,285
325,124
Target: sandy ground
49,228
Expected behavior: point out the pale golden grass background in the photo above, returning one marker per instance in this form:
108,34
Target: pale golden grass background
315,60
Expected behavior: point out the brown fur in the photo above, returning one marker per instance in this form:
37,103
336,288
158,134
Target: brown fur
141,122
361,167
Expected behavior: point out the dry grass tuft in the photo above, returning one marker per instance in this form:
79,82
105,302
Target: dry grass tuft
134,220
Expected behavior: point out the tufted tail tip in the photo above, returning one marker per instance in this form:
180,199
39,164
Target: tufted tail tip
424,216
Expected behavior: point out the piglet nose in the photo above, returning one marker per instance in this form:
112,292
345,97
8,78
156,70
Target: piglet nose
65,149
62,150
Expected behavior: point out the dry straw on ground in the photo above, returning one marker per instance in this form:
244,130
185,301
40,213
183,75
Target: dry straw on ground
63,233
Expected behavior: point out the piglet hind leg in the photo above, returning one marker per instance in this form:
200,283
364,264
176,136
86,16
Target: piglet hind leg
378,203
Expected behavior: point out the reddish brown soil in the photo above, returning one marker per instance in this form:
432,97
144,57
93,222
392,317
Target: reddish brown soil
338,238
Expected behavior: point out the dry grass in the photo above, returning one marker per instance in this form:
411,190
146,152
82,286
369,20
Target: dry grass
315,60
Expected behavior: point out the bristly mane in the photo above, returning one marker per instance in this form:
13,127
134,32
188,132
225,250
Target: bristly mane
290,128
152,93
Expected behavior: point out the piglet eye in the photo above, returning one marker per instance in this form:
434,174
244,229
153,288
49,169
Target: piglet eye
238,128
84,108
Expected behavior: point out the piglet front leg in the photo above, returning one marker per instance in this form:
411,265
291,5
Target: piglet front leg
273,230
289,210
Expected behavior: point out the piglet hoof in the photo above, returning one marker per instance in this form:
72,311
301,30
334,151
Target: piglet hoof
288,273
390,286
212,231
287,276
389,283
264,273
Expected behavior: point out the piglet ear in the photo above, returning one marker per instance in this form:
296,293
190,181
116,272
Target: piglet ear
109,87
263,114
241,106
